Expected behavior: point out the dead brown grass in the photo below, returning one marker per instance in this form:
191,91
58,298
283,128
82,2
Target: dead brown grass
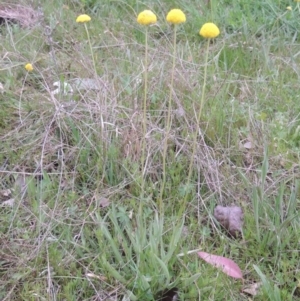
25,16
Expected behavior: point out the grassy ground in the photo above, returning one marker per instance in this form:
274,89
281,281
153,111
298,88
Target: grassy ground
84,220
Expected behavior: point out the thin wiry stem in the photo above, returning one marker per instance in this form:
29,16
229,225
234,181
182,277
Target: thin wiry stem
182,208
144,113
168,128
91,49
96,78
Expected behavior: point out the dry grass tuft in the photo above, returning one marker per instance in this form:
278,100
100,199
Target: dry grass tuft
26,16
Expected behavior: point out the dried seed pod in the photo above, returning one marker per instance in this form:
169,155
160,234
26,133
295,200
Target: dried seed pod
231,218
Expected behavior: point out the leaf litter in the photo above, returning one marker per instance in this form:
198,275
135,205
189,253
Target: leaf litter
227,265
231,219
252,289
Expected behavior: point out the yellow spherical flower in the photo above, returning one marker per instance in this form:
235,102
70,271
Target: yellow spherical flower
176,16
289,8
209,30
146,17
28,67
83,18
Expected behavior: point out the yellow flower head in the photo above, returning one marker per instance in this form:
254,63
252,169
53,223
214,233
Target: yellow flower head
209,30
28,67
289,8
146,17
297,0
176,16
83,19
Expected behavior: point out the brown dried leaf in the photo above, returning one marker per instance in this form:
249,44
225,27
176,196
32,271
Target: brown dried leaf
104,202
231,218
227,265
99,277
252,289
8,203
5,192
248,145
